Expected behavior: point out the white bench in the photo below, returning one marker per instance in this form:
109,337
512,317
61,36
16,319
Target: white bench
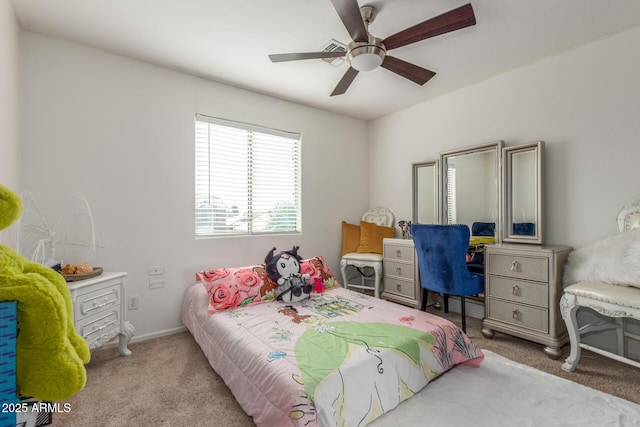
615,301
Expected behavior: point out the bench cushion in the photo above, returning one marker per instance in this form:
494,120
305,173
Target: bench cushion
625,296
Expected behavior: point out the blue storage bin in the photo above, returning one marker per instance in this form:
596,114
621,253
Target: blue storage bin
8,333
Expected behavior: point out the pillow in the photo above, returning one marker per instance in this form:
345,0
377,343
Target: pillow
317,269
350,238
371,236
613,260
230,288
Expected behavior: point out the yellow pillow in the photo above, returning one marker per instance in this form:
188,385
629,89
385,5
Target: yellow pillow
350,238
371,236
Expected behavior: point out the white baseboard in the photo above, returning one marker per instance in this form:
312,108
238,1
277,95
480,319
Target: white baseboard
139,338
474,308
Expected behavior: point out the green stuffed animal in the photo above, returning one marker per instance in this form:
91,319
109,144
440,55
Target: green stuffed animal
50,354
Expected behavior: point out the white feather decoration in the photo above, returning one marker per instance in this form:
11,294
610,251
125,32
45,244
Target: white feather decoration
72,239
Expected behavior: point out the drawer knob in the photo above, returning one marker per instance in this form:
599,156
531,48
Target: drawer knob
515,266
398,287
516,314
398,270
398,253
515,290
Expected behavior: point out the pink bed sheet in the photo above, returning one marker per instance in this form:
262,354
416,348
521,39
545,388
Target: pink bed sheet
339,358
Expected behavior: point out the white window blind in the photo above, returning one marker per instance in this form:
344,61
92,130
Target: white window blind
452,214
247,179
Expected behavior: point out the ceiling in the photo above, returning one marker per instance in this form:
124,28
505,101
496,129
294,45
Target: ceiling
228,41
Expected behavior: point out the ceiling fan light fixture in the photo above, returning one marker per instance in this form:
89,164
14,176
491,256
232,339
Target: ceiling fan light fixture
366,56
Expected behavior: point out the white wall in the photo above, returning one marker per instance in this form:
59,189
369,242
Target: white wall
121,132
583,103
9,110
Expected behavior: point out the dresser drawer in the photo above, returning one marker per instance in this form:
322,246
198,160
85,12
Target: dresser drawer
102,326
400,287
95,302
533,293
518,315
398,269
398,252
519,267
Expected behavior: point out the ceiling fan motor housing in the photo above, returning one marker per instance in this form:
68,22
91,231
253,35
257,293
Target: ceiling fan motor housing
366,56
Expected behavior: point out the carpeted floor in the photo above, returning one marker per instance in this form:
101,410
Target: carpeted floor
167,381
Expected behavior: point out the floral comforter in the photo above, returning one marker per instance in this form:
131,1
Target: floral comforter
338,359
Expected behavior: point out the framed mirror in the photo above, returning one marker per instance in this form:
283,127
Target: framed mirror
523,193
425,193
470,189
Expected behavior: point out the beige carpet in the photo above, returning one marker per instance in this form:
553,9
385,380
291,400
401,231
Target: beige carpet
168,382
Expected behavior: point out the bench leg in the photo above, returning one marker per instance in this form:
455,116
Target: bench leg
343,270
569,307
377,269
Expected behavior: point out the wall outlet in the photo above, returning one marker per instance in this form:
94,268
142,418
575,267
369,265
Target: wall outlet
156,270
155,284
134,303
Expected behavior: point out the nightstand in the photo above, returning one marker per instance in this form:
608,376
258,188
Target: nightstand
98,310
523,286
401,282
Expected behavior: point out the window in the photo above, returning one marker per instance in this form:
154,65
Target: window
247,179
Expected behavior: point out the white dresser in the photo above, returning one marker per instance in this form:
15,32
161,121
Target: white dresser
523,286
401,282
98,310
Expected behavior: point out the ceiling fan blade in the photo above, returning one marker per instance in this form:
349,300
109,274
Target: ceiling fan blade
349,13
345,82
453,20
282,57
407,70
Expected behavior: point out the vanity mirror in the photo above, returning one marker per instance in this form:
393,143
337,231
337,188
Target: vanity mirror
523,190
425,193
470,188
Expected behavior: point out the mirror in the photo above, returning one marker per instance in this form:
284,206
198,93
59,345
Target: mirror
425,193
523,190
471,189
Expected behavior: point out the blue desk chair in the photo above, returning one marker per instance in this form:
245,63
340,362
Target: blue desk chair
442,253
524,229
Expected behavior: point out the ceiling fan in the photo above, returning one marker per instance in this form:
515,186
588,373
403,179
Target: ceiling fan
367,52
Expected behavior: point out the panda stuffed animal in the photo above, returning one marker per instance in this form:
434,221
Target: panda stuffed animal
284,269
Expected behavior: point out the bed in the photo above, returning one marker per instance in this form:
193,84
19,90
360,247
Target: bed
337,358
